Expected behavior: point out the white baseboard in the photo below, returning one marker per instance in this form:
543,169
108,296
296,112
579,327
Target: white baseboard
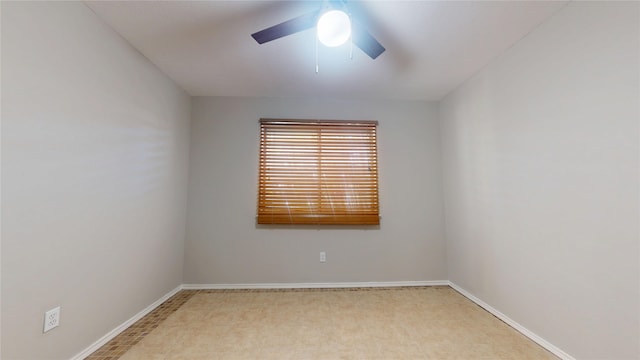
115,332
524,331
314,285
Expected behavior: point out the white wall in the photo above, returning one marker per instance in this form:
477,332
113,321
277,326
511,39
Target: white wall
94,166
540,154
223,243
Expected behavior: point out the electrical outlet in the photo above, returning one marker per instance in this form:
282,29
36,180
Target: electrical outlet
323,256
51,319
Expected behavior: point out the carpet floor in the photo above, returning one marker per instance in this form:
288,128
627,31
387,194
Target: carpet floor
365,323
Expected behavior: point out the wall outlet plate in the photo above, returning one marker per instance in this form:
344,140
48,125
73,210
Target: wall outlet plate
323,256
51,319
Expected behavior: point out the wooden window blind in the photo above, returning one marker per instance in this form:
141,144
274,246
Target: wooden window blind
318,172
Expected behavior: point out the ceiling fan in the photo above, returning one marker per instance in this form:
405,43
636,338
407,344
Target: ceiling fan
359,34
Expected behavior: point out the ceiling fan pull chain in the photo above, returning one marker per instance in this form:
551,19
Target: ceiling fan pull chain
351,48
317,67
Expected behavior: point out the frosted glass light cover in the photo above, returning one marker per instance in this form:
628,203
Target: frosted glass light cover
334,28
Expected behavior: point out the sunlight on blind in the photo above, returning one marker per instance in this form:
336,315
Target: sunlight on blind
318,172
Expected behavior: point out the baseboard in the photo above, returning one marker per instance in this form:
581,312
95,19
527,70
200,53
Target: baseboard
524,331
115,332
314,285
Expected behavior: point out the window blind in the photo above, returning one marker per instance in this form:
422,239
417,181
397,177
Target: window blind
318,172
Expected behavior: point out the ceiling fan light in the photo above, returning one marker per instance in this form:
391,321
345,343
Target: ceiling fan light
334,28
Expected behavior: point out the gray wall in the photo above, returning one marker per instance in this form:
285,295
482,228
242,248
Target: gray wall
540,154
223,244
94,166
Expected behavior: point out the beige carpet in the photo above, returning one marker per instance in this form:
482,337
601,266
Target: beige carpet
405,323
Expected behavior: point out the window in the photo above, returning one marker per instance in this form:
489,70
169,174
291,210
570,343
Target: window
318,172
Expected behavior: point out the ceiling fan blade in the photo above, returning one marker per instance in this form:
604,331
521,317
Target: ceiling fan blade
365,41
300,23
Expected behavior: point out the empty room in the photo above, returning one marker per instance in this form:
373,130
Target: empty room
320,180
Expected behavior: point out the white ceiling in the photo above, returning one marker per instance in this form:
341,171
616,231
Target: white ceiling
432,46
